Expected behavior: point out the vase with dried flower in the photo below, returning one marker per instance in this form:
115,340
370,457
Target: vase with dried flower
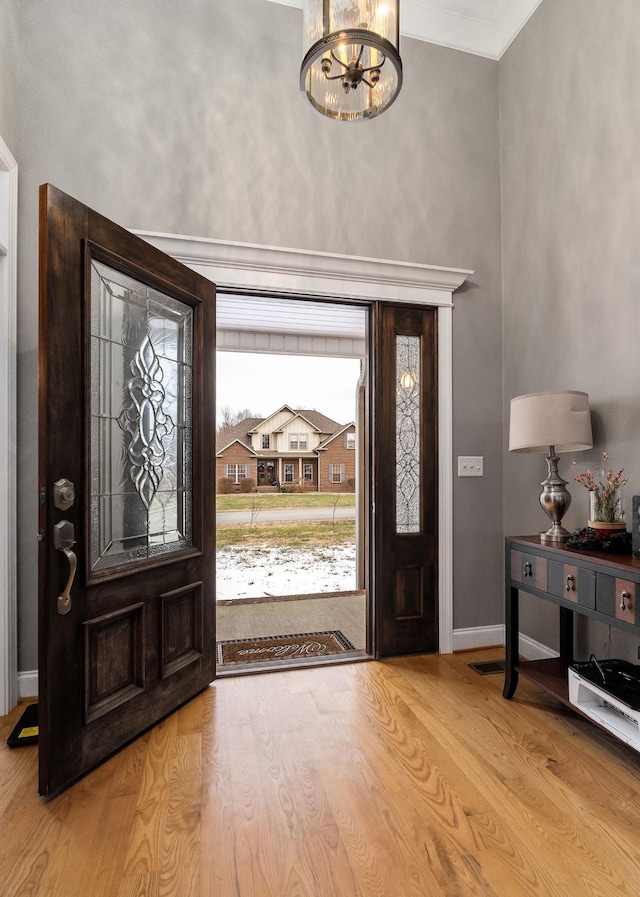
605,499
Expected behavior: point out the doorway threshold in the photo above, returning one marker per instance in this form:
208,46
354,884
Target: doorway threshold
225,671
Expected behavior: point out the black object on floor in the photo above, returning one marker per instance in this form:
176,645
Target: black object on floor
26,732
488,666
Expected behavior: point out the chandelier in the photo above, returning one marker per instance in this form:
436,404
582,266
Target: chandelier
351,68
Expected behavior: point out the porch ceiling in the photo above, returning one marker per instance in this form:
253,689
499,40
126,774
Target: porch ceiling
289,326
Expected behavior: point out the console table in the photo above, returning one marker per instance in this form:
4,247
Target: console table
598,585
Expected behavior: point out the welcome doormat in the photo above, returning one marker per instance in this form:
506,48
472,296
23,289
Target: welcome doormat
298,646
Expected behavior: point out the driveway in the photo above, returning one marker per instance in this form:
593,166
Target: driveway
272,516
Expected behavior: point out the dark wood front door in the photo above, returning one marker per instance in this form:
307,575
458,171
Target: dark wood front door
405,480
127,519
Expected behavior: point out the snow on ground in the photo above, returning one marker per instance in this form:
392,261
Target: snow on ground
258,572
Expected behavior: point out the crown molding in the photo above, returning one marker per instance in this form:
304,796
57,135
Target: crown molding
276,269
481,27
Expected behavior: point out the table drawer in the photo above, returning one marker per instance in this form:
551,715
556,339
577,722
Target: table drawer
572,583
616,597
529,569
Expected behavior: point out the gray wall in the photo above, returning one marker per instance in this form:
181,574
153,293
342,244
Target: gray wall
570,163
8,74
187,118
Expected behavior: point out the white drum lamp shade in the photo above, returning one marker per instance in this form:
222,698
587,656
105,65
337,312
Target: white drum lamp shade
544,419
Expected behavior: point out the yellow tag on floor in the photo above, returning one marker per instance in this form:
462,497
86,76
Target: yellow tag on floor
28,732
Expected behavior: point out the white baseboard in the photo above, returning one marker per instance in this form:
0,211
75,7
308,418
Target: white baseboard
488,636
477,637
533,650
28,684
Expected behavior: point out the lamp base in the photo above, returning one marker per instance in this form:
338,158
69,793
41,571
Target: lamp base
555,534
555,500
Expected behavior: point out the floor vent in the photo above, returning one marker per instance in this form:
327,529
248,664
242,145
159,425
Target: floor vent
489,666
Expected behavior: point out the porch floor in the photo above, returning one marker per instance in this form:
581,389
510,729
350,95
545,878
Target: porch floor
288,614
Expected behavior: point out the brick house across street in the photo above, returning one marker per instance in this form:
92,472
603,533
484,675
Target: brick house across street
292,448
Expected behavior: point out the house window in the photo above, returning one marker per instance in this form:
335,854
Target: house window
298,442
308,472
288,473
236,472
266,440
336,473
350,440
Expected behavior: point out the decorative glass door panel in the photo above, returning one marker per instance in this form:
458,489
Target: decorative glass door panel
408,412
141,421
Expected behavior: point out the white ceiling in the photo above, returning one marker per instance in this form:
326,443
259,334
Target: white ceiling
482,27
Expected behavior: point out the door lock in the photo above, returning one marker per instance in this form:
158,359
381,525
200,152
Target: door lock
64,494
64,538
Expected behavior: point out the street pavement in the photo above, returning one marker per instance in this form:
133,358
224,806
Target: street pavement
265,515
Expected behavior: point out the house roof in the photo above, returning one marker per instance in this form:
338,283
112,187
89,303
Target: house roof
241,432
238,433
325,442
321,422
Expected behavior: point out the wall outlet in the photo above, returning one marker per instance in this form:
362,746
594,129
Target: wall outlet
470,466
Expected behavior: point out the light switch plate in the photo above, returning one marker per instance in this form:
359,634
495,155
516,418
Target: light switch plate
470,466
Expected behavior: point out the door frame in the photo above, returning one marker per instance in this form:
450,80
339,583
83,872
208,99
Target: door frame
304,273
8,456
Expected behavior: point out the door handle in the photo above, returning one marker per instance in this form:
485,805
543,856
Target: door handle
64,538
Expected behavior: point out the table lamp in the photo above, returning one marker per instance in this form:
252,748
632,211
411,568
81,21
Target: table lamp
551,422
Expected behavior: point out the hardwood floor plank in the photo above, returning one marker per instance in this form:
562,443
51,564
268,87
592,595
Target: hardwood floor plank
109,845
140,886
181,843
146,846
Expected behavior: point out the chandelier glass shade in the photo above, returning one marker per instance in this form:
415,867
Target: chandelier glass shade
351,68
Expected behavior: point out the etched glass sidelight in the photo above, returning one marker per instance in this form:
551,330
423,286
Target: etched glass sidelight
141,420
408,434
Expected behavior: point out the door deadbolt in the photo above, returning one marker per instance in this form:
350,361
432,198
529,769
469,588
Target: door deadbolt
64,494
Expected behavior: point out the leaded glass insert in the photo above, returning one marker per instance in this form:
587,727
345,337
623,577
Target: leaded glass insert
141,420
408,406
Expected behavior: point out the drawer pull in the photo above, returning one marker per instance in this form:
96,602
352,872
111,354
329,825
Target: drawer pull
624,596
528,570
571,583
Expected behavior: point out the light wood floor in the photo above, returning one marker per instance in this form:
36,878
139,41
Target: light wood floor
408,778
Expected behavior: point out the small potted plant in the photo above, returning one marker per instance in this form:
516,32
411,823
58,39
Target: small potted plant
605,501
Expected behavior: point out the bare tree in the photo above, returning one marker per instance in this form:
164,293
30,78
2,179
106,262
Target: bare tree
229,417
334,504
254,509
